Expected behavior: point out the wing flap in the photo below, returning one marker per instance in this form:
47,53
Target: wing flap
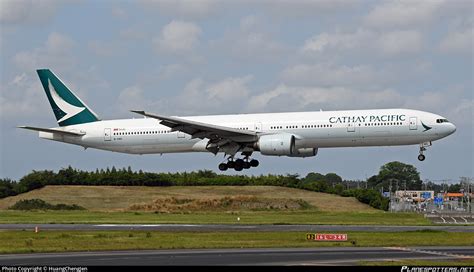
202,130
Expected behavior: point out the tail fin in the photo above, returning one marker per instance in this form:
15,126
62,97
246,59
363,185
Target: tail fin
67,107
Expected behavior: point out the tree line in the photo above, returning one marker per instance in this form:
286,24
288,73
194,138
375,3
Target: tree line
368,192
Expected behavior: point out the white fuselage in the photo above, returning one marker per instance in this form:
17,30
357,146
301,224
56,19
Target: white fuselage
320,129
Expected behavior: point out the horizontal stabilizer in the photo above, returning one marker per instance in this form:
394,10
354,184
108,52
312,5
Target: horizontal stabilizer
52,130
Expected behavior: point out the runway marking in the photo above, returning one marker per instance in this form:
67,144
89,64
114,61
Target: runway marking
444,221
146,225
432,252
455,222
464,219
171,225
355,261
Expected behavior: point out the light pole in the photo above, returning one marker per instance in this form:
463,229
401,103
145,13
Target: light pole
390,195
469,195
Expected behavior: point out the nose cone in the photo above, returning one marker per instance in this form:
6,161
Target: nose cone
452,128
447,129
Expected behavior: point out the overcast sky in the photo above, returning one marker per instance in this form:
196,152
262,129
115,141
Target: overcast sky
213,57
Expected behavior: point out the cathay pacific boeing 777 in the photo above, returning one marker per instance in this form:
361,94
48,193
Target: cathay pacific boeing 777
292,134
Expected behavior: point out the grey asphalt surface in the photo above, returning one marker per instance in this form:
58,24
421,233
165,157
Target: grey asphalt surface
240,227
276,256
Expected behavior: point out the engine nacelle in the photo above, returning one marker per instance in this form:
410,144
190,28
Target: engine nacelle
276,144
305,152
282,145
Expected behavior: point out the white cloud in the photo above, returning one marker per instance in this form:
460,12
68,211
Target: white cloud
56,52
229,89
132,33
458,42
228,95
463,112
119,12
105,49
364,40
304,8
249,42
249,23
27,11
59,43
131,98
188,9
403,13
22,97
449,103
171,70
178,37
338,41
330,75
400,42
295,98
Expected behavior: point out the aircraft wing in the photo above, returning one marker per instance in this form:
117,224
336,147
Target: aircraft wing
203,130
52,130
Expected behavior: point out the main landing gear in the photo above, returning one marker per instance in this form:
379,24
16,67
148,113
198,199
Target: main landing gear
423,146
239,164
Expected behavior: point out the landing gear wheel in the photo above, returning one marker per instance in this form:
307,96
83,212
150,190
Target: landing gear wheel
254,163
230,164
246,165
223,166
239,165
423,146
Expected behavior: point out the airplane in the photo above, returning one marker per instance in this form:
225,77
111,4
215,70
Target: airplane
292,134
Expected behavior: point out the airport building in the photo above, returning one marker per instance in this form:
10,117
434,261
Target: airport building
429,202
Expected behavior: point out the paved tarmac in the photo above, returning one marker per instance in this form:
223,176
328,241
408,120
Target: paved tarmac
236,227
274,256
457,219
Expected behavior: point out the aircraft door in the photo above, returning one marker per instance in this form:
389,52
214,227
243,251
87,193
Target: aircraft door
258,127
350,127
413,123
107,134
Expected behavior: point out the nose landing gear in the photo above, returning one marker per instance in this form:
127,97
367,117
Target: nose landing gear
423,146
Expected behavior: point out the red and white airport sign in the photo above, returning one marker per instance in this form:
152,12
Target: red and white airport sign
327,237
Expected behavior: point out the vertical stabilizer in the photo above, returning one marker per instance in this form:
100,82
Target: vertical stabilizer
67,107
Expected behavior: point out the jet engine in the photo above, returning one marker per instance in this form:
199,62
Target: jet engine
283,145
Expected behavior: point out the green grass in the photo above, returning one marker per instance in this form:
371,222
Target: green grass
59,241
456,262
246,217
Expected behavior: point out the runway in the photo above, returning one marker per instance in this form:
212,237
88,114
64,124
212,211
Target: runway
277,256
236,227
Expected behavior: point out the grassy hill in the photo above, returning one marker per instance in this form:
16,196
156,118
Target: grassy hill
117,198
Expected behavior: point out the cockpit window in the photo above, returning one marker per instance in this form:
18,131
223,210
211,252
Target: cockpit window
442,121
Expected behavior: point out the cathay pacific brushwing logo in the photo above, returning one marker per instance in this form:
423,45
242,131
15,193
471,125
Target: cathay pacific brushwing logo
426,127
69,109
